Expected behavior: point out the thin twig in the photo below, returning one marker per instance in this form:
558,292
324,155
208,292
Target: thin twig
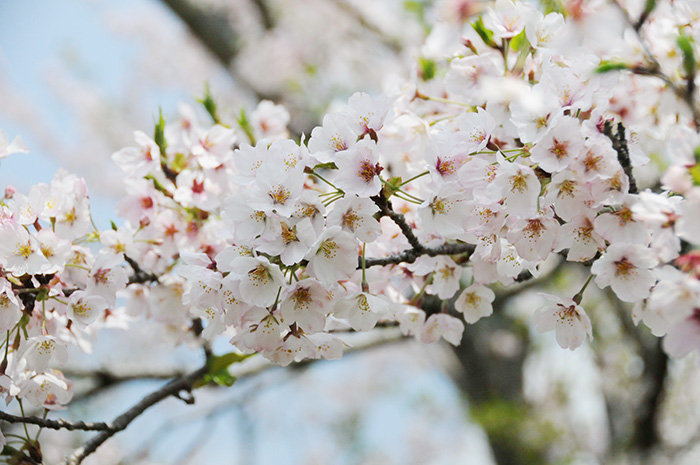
55,424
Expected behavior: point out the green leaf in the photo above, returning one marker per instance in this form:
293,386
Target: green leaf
325,166
218,369
210,105
159,134
392,186
685,43
649,6
520,43
695,174
179,162
485,34
114,226
245,125
222,362
222,378
427,68
607,66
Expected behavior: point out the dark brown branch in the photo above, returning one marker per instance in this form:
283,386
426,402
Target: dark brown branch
410,255
619,143
386,209
186,383
643,17
55,424
139,276
173,388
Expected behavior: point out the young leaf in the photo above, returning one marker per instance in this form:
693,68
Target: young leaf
607,66
210,105
159,134
685,43
485,34
245,125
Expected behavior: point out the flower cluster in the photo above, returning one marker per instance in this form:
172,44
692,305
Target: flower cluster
503,153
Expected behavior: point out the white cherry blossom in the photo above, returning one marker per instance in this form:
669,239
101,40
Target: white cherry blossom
474,302
625,268
566,318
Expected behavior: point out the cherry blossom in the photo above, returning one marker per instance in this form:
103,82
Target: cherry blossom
567,319
474,303
626,269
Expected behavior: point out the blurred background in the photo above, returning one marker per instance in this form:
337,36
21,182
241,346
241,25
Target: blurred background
77,77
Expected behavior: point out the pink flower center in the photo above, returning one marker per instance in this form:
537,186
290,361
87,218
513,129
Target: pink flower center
624,267
445,167
367,171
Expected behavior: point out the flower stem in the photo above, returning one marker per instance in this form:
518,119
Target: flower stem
414,178
579,296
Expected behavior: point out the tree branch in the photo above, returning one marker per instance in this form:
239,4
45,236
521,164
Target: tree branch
140,276
386,209
55,424
186,383
410,255
173,388
619,143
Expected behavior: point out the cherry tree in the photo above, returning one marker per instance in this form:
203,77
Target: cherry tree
529,145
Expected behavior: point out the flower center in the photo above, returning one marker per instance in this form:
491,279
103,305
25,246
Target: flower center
302,297
279,195
328,248
24,250
367,171
289,235
472,299
445,167
258,275
337,143
624,267
559,149
440,206
518,183
350,220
